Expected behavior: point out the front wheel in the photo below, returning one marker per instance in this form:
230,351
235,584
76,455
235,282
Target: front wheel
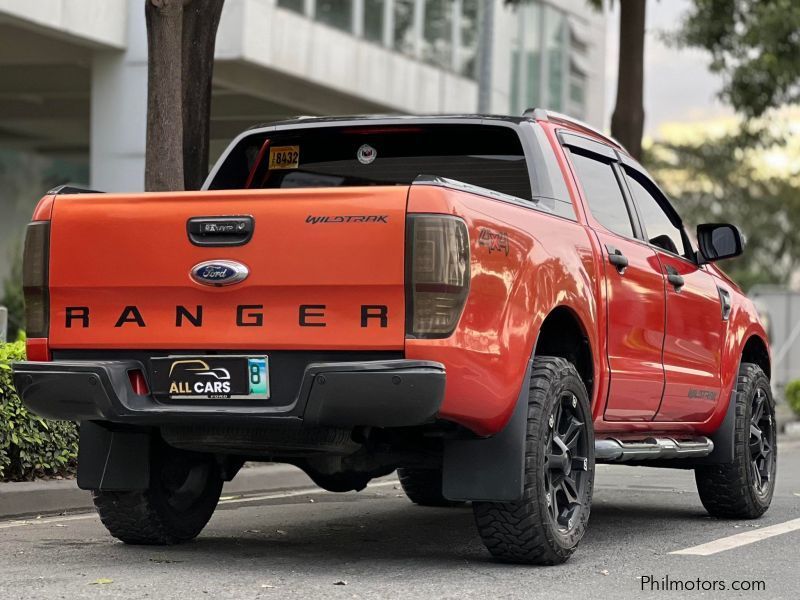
743,489
546,525
183,494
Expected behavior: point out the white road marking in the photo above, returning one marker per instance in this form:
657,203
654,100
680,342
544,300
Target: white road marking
45,520
741,539
236,500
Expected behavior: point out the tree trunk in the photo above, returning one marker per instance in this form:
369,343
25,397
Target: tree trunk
163,163
627,123
200,23
181,35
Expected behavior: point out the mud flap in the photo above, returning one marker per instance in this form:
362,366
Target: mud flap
113,460
490,469
723,438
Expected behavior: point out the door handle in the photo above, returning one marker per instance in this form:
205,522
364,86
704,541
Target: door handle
675,279
617,258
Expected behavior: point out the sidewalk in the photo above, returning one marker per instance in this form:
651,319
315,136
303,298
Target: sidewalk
61,496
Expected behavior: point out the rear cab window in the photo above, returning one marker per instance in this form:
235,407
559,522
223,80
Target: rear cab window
486,156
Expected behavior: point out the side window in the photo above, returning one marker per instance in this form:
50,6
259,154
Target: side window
661,232
603,194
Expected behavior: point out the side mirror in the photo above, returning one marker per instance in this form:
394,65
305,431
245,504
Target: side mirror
719,240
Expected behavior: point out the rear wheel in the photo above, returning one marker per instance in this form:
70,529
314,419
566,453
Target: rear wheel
184,490
424,487
546,526
743,489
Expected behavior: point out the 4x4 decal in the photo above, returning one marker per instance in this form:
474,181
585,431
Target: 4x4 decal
495,241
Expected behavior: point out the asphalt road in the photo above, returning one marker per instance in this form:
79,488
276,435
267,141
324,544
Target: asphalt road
376,544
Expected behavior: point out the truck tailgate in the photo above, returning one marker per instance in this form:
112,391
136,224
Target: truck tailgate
326,271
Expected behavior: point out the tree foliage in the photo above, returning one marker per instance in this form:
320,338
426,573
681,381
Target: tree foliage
792,393
24,178
754,44
723,180
30,446
12,296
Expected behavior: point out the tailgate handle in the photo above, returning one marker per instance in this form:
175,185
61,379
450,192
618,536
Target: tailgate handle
220,231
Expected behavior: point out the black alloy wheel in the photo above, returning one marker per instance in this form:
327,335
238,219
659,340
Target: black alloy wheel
566,463
762,442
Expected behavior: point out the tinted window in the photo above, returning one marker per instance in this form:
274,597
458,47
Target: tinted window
485,156
602,192
659,228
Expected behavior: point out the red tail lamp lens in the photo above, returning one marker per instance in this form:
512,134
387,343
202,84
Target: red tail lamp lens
437,279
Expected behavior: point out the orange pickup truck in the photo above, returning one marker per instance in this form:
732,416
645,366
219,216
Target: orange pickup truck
488,305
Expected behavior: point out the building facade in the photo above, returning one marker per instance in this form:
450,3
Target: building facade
73,74
73,77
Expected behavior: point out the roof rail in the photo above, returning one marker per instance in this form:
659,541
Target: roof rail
541,114
71,189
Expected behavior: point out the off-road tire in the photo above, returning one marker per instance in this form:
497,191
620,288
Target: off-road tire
731,490
152,516
424,487
526,531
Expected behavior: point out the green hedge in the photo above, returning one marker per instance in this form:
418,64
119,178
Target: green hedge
793,395
30,446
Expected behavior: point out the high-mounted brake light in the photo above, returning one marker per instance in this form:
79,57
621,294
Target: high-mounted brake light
437,278
35,279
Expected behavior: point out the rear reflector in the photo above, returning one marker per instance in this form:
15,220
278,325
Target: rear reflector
35,276
38,349
437,280
138,382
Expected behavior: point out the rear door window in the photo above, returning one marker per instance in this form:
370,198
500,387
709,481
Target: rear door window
603,194
486,156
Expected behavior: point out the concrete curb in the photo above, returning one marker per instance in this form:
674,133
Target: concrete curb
62,496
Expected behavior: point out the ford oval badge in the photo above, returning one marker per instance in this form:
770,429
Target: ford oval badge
219,272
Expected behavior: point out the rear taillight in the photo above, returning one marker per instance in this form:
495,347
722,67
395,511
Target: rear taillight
437,278
35,279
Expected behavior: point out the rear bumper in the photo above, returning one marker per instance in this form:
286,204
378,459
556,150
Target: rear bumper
389,393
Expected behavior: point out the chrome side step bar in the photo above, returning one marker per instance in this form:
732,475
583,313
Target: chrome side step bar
613,450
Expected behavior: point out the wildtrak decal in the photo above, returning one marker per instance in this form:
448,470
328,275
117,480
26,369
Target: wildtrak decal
246,315
314,220
704,394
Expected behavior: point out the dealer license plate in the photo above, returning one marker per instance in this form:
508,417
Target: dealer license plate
211,377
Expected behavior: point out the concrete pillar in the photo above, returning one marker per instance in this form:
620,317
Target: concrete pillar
119,110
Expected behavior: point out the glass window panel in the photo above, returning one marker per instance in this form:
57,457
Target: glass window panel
484,155
577,89
295,5
603,194
469,38
436,39
404,26
373,20
336,13
660,230
516,106
555,39
533,56
526,66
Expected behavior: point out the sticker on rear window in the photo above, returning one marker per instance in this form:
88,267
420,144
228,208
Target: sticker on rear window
284,157
366,154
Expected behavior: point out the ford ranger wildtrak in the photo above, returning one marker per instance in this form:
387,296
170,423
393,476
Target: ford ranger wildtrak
488,305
